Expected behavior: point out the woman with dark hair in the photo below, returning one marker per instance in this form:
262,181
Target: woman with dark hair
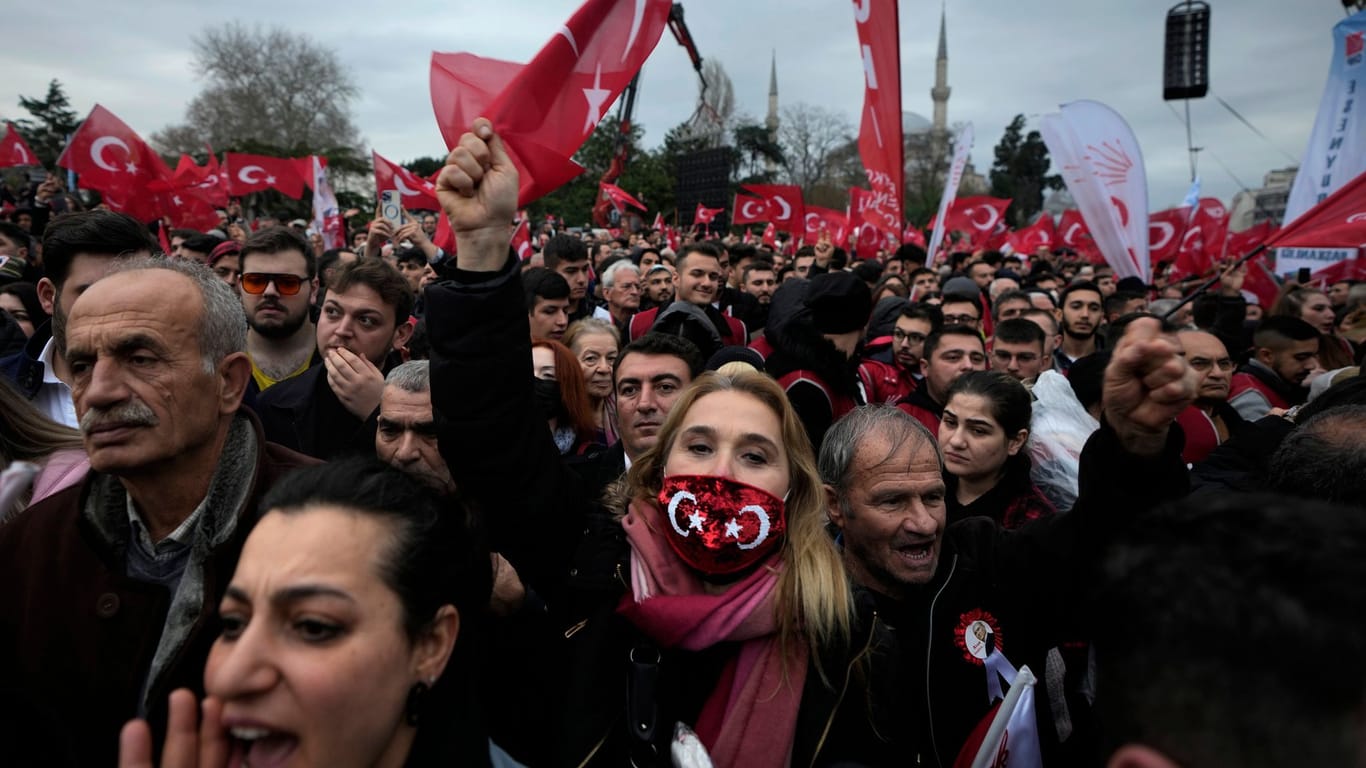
890,285
20,300
339,634
563,396
1312,306
983,435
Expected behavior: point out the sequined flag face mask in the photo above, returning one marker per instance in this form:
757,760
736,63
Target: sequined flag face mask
721,526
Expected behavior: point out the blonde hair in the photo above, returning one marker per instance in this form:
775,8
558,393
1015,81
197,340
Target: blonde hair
814,604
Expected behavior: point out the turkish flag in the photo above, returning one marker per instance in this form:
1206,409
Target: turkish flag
619,196
253,173
672,239
416,192
658,224
521,240
784,203
110,157
912,235
1041,233
1337,222
879,140
1165,230
980,217
1072,232
771,235
869,207
818,220
186,172
749,210
187,207
14,151
1202,244
705,215
544,111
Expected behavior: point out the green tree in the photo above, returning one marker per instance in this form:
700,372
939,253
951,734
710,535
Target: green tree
1021,172
756,152
425,166
53,120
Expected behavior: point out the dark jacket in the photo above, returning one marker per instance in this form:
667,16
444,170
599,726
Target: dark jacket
820,381
1011,503
304,415
906,692
78,636
23,367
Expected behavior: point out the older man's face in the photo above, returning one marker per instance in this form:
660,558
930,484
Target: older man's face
138,381
406,437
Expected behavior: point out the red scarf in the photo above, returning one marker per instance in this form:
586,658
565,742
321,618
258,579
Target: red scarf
750,718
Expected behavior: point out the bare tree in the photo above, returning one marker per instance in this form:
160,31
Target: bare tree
265,87
809,134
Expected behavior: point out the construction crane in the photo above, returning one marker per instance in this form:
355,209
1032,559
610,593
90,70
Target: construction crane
604,207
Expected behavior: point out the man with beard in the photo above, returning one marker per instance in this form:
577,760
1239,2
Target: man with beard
278,285
1082,310
950,352
659,287
759,280
1210,420
78,249
1285,351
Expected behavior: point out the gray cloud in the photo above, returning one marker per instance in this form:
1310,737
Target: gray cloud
1269,59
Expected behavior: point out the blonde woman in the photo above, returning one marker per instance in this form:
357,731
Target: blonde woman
735,599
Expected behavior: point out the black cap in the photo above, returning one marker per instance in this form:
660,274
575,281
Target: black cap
839,302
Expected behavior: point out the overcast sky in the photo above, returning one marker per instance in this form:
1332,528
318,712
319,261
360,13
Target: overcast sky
1269,60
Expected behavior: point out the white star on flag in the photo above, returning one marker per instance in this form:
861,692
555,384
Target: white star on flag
176,199
695,521
131,167
732,530
270,179
596,96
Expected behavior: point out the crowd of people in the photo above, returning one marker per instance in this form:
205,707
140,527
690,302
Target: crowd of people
267,503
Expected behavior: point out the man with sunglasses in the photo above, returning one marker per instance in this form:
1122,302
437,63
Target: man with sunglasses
1210,420
278,285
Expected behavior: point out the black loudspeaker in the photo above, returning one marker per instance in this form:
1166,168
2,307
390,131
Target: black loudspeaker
704,177
1185,60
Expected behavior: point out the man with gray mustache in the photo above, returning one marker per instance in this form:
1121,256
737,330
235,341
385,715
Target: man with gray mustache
113,584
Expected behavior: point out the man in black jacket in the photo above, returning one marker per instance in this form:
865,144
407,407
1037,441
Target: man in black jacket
329,410
946,588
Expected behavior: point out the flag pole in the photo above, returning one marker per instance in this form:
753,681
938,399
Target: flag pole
992,741
1218,275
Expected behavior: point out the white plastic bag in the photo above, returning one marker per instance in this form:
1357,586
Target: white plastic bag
1057,433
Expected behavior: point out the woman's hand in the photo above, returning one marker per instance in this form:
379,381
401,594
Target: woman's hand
189,743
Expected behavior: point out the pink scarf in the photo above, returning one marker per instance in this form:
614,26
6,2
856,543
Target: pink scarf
750,718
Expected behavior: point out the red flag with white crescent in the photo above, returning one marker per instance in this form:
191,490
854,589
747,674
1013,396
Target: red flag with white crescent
912,235
783,203
770,235
1165,230
254,173
749,210
879,142
111,157
658,224
521,240
1337,222
14,151
819,220
545,110
417,193
619,196
705,215
982,218
1040,234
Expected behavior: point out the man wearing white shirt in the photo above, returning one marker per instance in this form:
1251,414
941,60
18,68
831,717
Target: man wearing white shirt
78,249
